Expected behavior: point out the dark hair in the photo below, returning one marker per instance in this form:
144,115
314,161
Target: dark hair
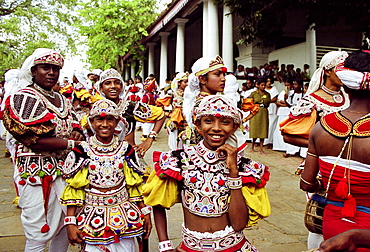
358,60
261,80
139,78
271,79
151,75
290,81
299,81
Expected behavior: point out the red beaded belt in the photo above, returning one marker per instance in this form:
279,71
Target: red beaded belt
106,199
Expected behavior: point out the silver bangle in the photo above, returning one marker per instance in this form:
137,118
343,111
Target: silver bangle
235,183
70,144
70,220
165,246
152,135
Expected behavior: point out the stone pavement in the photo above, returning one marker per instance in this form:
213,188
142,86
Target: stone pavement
283,231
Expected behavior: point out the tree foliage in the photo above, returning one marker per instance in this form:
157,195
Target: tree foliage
114,29
28,24
263,20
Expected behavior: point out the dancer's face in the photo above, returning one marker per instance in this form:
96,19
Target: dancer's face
45,75
215,130
104,127
111,88
214,82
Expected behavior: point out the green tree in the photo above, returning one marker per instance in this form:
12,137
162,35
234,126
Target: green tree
114,29
28,24
263,20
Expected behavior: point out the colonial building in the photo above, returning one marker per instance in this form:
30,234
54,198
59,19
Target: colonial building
189,29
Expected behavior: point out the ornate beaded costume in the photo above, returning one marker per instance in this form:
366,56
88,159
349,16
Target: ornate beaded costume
106,216
204,175
27,123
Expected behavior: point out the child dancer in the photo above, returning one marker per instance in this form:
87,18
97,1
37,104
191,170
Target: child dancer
103,179
221,192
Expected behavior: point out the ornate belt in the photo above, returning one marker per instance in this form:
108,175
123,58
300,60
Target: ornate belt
212,244
106,199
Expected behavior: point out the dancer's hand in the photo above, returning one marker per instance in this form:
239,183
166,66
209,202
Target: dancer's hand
147,226
142,148
74,234
75,135
231,162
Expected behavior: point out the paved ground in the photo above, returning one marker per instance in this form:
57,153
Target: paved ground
283,231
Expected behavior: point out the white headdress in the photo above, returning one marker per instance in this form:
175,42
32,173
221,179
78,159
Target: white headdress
109,74
328,61
11,84
200,67
231,89
353,79
179,77
39,56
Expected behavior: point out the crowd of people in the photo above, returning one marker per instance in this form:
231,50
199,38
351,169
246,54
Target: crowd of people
81,178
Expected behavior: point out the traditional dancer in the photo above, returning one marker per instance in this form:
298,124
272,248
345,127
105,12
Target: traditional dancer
221,192
104,179
46,129
343,164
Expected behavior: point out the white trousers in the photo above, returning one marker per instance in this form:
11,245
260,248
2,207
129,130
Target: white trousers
125,245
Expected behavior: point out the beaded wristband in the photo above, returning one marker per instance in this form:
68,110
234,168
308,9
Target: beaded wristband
235,183
165,246
146,210
152,135
70,220
70,144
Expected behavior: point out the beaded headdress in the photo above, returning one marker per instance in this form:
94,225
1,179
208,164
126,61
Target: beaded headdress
110,74
39,56
104,108
328,61
49,57
218,106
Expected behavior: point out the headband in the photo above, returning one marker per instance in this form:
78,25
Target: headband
353,79
104,108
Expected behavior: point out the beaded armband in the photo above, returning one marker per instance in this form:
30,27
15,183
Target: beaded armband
146,210
70,220
152,135
165,246
235,183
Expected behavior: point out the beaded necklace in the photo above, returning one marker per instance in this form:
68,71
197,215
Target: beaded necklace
337,97
49,93
102,147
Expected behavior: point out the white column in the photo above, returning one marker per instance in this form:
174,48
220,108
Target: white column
141,69
180,45
127,72
311,47
212,40
205,29
150,60
227,39
163,59
132,62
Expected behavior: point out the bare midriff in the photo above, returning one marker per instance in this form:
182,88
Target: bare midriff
205,224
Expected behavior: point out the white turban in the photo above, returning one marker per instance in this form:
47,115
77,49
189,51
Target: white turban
39,56
354,79
201,67
328,61
11,84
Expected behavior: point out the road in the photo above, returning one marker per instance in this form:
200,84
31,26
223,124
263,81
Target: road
282,231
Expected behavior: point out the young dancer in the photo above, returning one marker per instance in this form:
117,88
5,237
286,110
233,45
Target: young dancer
104,180
221,192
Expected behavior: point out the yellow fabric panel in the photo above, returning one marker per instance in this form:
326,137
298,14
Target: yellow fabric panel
95,98
157,114
72,195
258,203
134,181
84,123
80,179
301,126
161,192
75,190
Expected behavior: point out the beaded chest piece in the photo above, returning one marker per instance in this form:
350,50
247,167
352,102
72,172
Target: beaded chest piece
107,162
205,192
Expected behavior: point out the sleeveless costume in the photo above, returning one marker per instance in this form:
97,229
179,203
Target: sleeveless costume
198,178
336,217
